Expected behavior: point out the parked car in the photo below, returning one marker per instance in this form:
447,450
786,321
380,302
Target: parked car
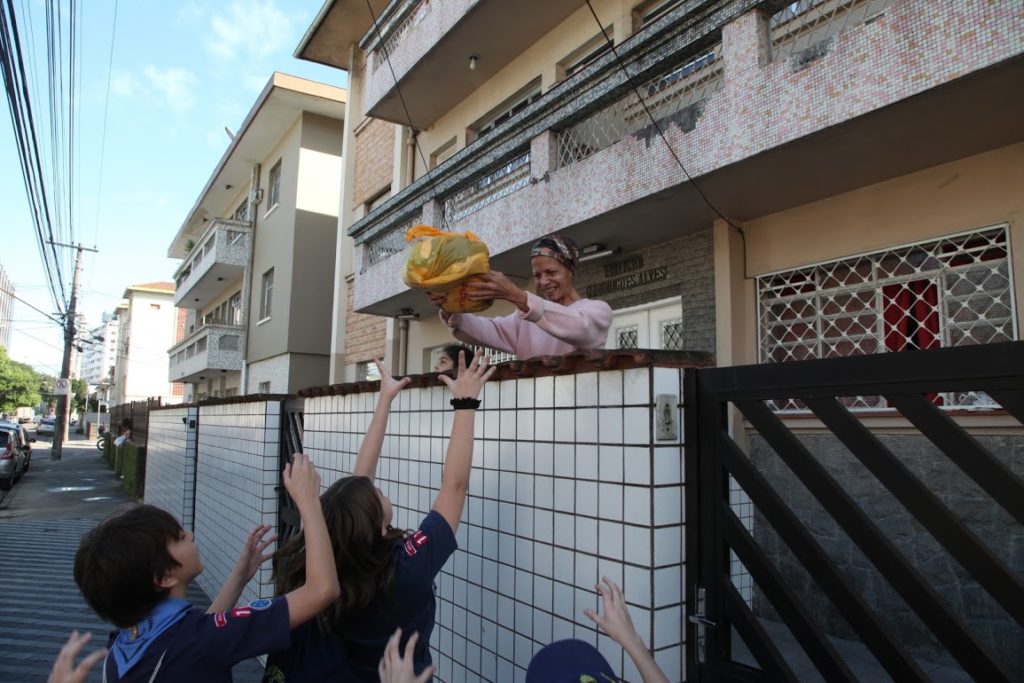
46,426
15,453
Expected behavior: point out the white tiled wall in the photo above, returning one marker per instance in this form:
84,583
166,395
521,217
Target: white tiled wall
568,485
171,462
237,473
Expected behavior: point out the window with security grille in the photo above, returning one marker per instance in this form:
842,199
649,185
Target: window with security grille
952,291
628,337
672,335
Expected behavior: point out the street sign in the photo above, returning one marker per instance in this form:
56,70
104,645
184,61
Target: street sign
62,387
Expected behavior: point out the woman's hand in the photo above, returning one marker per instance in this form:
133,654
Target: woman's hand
252,555
471,379
389,386
438,300
495,285
396,668
64,669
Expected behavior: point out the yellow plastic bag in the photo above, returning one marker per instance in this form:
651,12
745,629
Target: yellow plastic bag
444,263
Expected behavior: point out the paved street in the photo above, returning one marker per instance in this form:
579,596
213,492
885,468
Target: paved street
41,521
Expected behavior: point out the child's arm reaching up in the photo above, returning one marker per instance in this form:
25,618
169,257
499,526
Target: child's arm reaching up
248,562
616,623
369,451
459,460
321,586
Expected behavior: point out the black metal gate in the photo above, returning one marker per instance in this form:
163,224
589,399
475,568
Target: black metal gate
289,521
826,543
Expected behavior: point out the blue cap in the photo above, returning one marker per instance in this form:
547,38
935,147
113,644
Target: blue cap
569,661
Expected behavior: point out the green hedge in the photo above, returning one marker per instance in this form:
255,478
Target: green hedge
108,449
132,461
119,459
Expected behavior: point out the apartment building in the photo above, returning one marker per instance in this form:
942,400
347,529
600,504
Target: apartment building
823,178
99,350
147,323
257,250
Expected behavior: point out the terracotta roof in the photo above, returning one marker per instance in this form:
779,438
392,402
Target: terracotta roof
161,286
541,366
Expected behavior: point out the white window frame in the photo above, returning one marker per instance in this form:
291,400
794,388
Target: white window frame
274,186
267,295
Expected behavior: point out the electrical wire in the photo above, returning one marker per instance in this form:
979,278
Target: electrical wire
37,310
654,122
12,63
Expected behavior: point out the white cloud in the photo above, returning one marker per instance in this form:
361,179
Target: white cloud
123,84
249,29
190,13
174,83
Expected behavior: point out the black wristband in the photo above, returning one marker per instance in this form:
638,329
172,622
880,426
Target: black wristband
465,403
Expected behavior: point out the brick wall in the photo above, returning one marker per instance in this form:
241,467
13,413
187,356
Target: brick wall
375,152
364,334
682,267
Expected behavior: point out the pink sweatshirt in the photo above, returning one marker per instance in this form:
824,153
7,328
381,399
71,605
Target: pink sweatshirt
546,329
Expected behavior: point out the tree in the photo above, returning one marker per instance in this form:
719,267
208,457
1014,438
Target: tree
19,384
80,393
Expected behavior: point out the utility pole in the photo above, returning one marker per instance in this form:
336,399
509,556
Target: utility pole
60,429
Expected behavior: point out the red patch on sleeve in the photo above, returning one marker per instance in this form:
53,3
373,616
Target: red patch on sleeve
420,539
241,612
220,619
410,549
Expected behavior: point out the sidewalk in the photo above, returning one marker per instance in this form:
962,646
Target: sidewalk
41,521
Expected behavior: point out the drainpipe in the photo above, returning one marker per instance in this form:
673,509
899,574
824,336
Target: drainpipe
413,135
254,202
403,346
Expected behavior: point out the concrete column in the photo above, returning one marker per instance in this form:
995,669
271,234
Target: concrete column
543,154
433,213
746,51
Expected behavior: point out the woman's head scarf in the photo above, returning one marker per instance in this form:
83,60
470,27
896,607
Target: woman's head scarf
562,249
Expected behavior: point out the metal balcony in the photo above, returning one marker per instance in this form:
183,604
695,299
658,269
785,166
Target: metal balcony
212,348
218,260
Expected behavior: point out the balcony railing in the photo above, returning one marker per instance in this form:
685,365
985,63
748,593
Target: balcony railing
501,182
801,28
667,96
396,27
222,253
214,346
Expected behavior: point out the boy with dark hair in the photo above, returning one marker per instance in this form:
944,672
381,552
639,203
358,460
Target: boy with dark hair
134,570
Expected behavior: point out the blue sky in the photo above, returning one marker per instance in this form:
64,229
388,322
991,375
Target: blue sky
180,73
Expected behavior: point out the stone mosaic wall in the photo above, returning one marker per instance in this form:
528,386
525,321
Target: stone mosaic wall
991,625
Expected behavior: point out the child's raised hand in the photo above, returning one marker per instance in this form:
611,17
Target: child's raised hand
64,669
252,552
302,480
389,386
615,621
395,668
471,379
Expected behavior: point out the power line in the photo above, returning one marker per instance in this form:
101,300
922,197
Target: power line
657,126
38,310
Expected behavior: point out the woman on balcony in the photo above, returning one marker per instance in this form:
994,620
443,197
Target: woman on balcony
554,322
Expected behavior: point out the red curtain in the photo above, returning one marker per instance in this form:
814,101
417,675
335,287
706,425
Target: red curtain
911,316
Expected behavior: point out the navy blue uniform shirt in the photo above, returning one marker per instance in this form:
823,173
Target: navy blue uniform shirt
319,656
202,648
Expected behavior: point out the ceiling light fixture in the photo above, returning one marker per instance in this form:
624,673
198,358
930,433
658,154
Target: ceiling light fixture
473,58
407,314
596,251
